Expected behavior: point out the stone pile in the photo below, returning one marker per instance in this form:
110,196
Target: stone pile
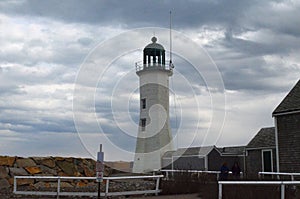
44,166
60,166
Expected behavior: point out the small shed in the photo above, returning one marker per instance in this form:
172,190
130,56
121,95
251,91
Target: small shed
206,158
261,152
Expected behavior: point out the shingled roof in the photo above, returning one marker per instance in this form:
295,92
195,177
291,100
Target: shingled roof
200,151
291,102
263,139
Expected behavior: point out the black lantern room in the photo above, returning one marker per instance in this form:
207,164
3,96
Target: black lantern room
154,54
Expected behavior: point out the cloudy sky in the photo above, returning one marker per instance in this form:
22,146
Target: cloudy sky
68,82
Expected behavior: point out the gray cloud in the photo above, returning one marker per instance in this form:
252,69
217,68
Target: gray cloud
255,45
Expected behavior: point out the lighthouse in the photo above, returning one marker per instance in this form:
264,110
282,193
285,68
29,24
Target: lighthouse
154,134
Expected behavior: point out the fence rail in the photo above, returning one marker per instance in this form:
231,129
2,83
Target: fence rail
217,173
281,183
58,192
292,175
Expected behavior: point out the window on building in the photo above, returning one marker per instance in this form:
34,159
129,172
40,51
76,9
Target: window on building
143,124
267,161
143,102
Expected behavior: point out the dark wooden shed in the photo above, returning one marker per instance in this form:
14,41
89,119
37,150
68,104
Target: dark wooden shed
287,130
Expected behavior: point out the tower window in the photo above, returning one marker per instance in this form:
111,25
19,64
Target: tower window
143,124
143,101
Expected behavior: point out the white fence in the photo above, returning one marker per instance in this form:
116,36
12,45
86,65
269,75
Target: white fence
169,171
58,192
292,175
281,183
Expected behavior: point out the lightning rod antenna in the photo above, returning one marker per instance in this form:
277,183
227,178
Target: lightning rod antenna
170,38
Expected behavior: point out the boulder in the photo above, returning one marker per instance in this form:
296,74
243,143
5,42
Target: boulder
3,172
59,159
33,170
49,162
80,184
25,181
67,167
7,161
47,170
41,185
88,172
4,184
17,172
37,160
11,181
65,185
62,185
25,162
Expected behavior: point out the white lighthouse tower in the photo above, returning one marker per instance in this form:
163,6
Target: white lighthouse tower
154,134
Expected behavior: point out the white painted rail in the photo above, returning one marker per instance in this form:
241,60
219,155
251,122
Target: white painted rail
58,192
281,183
292,175
167,171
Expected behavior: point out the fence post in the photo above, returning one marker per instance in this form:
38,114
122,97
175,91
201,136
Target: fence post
15,184
282,191
167,175
157,186
106,187
58,187
220,190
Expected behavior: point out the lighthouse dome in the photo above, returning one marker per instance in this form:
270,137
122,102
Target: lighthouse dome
154,45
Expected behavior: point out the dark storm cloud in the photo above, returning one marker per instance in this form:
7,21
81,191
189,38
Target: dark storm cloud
46,41
132,12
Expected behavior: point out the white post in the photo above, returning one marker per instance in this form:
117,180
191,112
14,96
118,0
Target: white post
157,186
106,187
58,187
292,177
282,191
167,175
15,184
220,190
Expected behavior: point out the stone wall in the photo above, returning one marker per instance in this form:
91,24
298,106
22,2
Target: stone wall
60,166
44,166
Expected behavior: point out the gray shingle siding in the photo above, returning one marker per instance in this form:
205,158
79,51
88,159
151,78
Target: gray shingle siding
289,142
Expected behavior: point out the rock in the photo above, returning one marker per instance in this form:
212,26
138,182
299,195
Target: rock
62,185
7,161
65,185
37,160
33,170
22,181
59,159
67,167
80,184
17,172
61,173
49,162
3,172
69,160
4,184
47,170
11,181
26,162
41,185
88,172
